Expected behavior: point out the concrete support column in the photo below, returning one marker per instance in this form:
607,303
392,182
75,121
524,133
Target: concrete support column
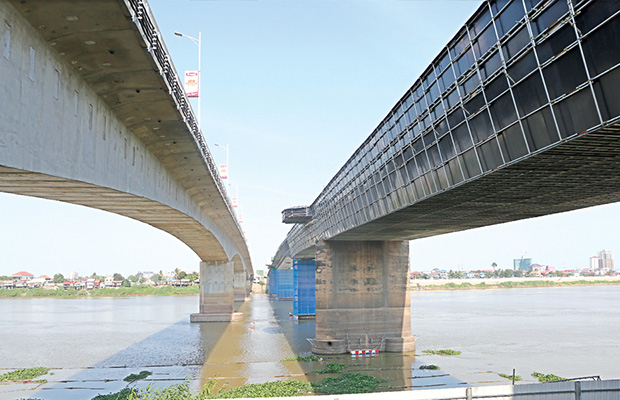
216,293
362,297
239,286
248,287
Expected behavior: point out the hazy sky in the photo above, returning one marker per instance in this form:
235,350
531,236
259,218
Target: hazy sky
293,87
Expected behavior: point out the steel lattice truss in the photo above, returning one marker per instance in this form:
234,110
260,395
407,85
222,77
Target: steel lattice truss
515,118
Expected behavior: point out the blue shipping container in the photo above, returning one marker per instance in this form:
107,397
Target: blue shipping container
304,300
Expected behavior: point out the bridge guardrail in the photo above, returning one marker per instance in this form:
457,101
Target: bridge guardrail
142,17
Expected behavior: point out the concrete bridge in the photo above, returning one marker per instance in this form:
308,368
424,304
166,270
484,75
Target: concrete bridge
92,112
518,116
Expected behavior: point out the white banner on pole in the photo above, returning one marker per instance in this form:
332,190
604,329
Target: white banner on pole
191,83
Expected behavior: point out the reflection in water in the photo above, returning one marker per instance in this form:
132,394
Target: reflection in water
252,351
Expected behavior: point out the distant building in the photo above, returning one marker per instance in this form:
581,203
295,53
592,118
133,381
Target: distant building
602,262
92,283
37,282
108,282
523,264
22,276
607,260
7,284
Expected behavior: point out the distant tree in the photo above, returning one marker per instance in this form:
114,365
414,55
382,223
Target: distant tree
59,278
506,273
6,278
494,265
182,274
126,283
118,277
176,273
193,276
142,280
156,278
133,278
455,274
518,273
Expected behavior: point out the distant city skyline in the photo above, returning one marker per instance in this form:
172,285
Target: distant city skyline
293,88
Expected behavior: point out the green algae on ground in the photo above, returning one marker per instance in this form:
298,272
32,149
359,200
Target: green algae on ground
268,389
443,352
543,378
311,357
23,374
430,366
137,377
348,383
509,376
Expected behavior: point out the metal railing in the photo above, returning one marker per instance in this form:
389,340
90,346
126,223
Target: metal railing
143,18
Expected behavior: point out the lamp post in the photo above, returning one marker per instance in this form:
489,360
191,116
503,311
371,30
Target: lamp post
197,42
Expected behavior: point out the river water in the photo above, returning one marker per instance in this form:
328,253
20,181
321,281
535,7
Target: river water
92,344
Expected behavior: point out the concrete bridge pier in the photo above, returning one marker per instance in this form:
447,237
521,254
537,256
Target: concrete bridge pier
216,293
362,297
240,287
248,287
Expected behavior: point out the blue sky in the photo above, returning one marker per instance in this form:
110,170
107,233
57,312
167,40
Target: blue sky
293,87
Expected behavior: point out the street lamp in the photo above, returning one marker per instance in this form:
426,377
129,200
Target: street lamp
197,42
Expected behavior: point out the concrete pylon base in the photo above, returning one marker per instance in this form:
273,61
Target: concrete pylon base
362,297
234,317
239,286
329,346
400,344
339,346
216,293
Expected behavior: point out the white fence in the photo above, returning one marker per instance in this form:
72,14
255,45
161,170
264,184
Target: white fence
577,390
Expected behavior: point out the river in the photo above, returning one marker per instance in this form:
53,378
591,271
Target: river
92,343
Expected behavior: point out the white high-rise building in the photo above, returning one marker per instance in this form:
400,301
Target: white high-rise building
606,260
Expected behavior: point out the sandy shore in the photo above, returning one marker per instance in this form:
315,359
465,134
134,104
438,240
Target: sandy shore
493,282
